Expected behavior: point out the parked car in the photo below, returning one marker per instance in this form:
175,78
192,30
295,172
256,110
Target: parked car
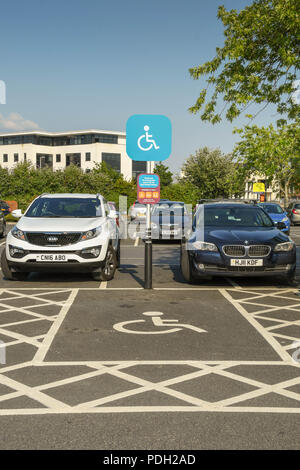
293,212
4,207
236,240
170,220
121,219
63,233
277,214
137,211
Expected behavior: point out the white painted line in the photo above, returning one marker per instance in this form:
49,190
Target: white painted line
265,334
136,242
147,409
44,347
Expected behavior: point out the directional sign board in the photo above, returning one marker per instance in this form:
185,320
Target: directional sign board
148,137
148,188
259,187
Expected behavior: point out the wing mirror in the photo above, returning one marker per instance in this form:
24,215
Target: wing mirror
17,213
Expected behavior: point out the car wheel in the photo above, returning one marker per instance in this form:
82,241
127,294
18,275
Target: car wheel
185,265
3,233
118,254
8,274
109,268
291,278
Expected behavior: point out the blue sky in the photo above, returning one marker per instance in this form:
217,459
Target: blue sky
75,64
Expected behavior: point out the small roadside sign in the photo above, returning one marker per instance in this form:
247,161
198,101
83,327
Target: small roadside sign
259,187
148,188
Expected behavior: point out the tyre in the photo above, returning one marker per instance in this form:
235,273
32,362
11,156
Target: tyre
118,254
291,278
185,266
3,233
8,274
110,266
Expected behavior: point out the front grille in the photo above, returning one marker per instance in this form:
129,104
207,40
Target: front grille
52,239
259,250
234,250
252,250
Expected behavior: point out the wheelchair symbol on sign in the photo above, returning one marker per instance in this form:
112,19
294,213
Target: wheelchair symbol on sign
148,139
156,321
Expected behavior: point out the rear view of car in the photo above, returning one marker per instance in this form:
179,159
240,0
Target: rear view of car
293,211
137,211
170,220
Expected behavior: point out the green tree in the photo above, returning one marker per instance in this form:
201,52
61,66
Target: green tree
164,173
258,62
273,152
214,174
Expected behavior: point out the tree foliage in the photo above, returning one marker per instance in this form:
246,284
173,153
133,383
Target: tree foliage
213,174
258,62
164,173
273,152
24,183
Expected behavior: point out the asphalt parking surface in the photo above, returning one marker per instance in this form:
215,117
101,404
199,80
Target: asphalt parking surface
110,366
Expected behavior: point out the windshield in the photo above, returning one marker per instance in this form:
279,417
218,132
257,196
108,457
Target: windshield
235,217
166,208
272,208
65,207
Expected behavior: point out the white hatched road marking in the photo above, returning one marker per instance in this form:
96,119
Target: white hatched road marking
118,368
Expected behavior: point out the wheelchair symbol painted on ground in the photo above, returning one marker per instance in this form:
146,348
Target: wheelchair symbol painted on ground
148,139
125,326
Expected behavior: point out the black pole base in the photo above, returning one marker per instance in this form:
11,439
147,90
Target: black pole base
148,264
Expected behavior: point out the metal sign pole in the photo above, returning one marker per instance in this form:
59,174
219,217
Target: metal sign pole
148,244
148,251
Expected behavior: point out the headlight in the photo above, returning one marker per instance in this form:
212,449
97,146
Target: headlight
286,246
91,233
285,219
203,246
17,233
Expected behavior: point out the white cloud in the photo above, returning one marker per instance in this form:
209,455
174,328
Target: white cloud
16,122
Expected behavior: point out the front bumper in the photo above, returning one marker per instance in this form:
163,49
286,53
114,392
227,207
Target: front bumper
74,266
75,261
215,264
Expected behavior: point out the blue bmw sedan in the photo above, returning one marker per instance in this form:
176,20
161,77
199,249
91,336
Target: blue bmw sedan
236,240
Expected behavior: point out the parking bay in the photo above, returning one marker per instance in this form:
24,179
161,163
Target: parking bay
106,326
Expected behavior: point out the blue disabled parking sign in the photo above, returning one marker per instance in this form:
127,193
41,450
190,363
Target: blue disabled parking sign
148,137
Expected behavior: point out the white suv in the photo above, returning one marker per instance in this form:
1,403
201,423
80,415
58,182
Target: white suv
63,233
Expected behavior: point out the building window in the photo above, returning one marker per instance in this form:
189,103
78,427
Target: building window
16,157
58,158
44,160
25,157
73,159
138,168
88,156
5,158
113,160
106,138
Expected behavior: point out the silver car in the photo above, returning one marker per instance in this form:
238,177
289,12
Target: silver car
137,211
293,212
